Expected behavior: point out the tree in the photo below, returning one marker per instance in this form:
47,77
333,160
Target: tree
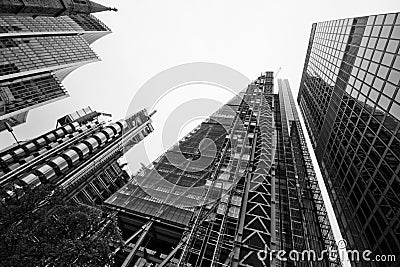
41,229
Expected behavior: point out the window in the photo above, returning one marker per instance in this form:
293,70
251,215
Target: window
372,42
385,31
389,89
373,95
394,76
390,19
364,64
371,20
384,102
387,59
392,46
383,71
367,30
395,110
377,56
375,31
396,32
379,19
381,44
372,68
378,83
368,53
396,63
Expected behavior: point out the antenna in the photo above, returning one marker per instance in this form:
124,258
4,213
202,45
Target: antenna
152,113
11,130
276,75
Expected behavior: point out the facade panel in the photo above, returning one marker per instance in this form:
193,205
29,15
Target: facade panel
349,97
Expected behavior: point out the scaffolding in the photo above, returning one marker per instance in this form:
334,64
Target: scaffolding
219,203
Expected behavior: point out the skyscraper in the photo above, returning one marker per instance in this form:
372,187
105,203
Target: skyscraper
350,99
50,8
80,156
40,44
252,188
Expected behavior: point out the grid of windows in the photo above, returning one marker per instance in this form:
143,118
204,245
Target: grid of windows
39,41
21,24
89,23
44,51
28,91
18,24
349,96
298,185
289,225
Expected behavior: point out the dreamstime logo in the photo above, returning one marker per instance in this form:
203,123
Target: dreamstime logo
151,179
333,255
297,256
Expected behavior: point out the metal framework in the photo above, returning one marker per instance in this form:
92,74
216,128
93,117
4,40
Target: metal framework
252,167
81,158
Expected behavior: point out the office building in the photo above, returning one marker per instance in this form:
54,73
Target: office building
220,203
41,42
50,8
81,156
350,99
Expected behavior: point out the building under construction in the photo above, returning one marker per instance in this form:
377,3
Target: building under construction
81,156
240,183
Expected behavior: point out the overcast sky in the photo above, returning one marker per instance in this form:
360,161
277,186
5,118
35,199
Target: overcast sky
150,36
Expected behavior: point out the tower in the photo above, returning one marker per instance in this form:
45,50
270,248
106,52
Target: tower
50,8
80,156
40,44
350,99
252,189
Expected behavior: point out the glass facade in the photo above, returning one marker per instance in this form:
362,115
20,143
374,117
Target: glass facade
258,160
50,8
36,53
349,97
32,53
17,94
310,206
73,23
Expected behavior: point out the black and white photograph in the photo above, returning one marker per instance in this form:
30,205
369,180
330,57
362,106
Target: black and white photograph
188,133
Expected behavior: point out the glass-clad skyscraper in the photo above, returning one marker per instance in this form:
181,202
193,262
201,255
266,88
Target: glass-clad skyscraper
40,44
350,99
239,184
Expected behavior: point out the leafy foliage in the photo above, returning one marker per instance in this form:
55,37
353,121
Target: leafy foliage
41,229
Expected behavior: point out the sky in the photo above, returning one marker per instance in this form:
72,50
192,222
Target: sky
151,36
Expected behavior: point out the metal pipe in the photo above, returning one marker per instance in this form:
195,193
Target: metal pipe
14,173
129,258
170,255
133,236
